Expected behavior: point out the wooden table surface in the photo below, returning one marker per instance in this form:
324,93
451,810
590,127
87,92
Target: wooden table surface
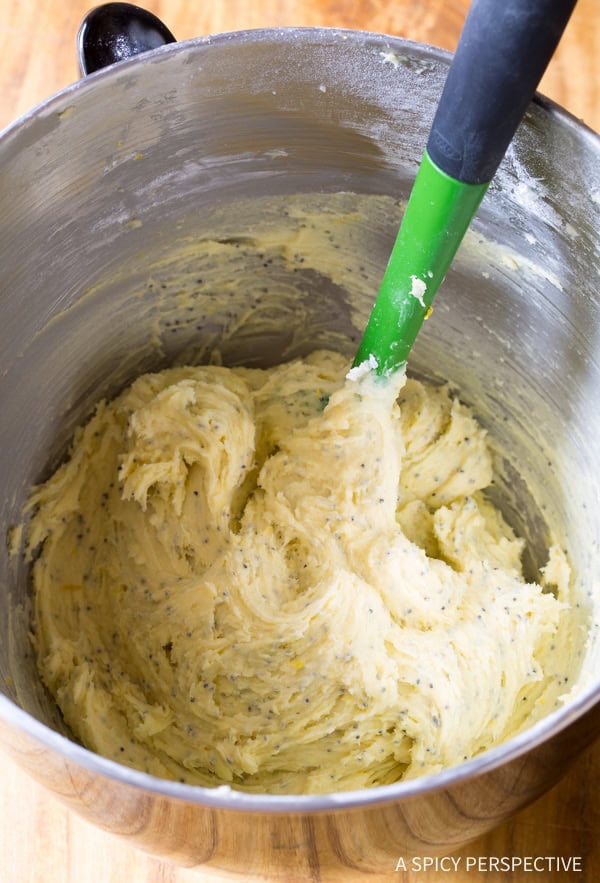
40,840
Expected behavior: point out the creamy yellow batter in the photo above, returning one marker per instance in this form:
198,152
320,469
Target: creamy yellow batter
288,582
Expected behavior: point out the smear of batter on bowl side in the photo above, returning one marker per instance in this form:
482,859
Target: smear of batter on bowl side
237,585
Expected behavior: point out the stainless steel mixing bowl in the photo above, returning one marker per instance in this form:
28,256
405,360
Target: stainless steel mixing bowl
109,190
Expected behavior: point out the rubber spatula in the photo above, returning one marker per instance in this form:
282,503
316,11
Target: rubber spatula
503,51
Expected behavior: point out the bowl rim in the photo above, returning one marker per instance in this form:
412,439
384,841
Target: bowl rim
316,35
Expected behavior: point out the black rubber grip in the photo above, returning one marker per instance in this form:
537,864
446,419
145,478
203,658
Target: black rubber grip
504,49
117,31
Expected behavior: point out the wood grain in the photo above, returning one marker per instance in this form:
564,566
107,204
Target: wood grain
40,840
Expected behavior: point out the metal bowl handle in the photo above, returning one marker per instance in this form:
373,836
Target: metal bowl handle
115,32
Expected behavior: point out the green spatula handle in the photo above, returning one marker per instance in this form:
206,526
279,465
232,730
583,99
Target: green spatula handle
504,48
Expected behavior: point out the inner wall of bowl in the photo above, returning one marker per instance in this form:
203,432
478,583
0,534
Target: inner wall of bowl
210,205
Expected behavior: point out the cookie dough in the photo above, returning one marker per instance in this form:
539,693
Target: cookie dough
286,581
